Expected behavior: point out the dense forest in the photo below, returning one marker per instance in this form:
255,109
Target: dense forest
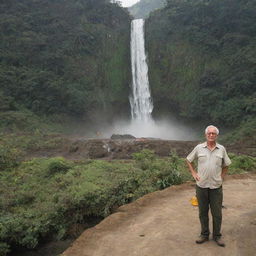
65,58
202,60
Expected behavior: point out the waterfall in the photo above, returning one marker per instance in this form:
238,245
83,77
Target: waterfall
142,124
140,99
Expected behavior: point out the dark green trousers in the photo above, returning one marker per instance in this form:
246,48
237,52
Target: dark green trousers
210,198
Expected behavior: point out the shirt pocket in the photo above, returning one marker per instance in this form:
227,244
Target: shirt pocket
218,160
202,158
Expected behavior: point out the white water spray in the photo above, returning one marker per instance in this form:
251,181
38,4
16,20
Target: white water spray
140,100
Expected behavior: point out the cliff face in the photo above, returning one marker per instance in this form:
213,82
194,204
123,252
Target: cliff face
202,60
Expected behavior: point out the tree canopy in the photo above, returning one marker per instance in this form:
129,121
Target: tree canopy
59,56
202,59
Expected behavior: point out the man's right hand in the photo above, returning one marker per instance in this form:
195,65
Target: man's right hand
192,170
195,176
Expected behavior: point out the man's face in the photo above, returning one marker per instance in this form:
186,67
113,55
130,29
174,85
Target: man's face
211,134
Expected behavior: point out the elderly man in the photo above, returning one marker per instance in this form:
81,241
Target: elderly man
213,163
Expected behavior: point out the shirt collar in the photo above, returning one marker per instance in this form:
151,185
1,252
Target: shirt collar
205,145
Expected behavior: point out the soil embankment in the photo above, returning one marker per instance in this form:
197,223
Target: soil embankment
165,223
77,149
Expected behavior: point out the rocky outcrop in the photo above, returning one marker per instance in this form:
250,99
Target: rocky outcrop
122,136
123,149
78,149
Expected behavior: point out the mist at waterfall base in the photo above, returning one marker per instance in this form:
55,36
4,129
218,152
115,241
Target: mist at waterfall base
165,128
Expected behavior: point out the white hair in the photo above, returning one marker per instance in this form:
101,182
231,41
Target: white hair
212,126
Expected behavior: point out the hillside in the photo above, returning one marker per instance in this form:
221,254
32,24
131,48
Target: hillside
62,58
202,61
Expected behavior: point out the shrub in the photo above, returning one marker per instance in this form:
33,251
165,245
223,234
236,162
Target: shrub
4,249
242,163
165,172
170,172
57,165
9,157
144,158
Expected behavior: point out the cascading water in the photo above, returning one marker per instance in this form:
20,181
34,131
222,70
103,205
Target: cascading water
140,100
142,123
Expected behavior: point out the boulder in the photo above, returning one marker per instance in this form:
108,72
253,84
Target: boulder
122,137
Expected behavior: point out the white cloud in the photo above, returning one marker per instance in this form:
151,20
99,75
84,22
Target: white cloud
127,3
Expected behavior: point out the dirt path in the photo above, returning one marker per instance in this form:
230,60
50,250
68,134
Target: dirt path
164,223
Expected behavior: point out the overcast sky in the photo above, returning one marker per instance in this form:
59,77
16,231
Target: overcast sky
126,3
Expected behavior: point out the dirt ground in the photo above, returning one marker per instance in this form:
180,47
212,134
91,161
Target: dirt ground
164,223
